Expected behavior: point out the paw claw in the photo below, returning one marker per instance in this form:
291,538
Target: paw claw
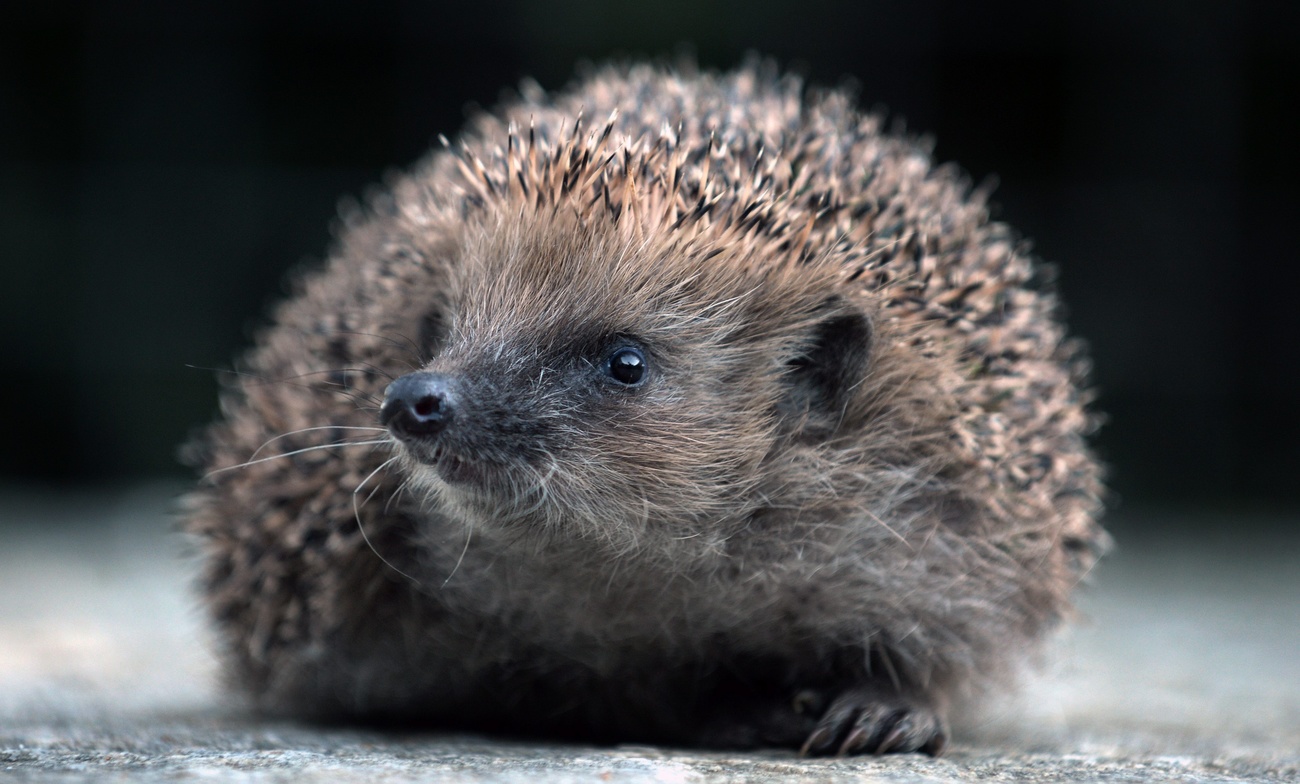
935,746
877,720
892,740
817,741
854,742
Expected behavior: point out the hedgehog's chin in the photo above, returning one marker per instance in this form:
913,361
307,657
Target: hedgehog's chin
485,507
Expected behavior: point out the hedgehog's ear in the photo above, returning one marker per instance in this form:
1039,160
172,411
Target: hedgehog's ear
829,366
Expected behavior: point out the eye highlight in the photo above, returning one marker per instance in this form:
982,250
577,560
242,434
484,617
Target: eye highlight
627,366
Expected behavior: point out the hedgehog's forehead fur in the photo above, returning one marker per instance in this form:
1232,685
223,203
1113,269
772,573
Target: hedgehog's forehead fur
707,196
550,279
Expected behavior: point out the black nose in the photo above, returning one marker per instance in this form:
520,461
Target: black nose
417,405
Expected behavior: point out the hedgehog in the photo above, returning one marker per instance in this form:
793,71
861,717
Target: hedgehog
678,407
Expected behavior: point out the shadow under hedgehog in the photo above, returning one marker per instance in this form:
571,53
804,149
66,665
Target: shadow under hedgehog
676,407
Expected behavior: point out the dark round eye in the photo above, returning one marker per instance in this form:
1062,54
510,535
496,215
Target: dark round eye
627,366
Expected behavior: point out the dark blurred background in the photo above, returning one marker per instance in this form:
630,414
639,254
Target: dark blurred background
163,164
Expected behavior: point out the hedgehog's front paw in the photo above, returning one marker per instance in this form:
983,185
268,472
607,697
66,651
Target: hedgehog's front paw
874,720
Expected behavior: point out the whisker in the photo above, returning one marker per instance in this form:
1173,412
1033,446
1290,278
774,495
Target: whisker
401,341
273,439
356,510
248,463
402,488
360,404
469,535
269,380
375,369
360,399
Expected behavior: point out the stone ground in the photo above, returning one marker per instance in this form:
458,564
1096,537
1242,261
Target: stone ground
1188,669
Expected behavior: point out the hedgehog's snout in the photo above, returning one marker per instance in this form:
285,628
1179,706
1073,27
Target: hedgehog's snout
418,406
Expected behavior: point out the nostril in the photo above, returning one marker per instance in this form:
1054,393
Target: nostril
427,406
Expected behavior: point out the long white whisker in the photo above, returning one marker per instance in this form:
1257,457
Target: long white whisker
402,488
248,463
356,510
469,534
273,439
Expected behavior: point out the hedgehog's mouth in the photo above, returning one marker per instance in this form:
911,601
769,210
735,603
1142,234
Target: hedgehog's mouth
459,470
452,468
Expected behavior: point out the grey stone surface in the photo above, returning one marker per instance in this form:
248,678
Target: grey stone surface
1186,668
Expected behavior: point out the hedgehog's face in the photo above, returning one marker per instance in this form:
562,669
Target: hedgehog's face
606,390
